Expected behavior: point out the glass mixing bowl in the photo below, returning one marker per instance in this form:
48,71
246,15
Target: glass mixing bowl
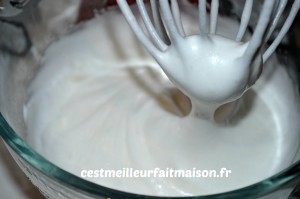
34,27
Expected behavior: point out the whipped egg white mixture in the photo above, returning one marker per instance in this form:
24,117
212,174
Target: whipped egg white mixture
99,100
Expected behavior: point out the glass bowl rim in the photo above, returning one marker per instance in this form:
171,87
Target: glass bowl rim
41,164
34,159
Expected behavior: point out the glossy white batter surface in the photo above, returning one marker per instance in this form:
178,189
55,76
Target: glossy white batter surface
95,103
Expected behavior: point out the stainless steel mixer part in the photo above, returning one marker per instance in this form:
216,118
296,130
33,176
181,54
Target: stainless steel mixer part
9,8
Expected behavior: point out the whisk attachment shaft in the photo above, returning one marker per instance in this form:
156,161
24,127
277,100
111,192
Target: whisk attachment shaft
271,13
257,39
151,29
202,17
194,62
214,16
244,20
293,12
177,17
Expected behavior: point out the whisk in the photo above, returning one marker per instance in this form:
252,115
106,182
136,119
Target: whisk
213,71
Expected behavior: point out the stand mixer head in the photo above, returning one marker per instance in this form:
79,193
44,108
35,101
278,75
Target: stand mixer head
9,8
